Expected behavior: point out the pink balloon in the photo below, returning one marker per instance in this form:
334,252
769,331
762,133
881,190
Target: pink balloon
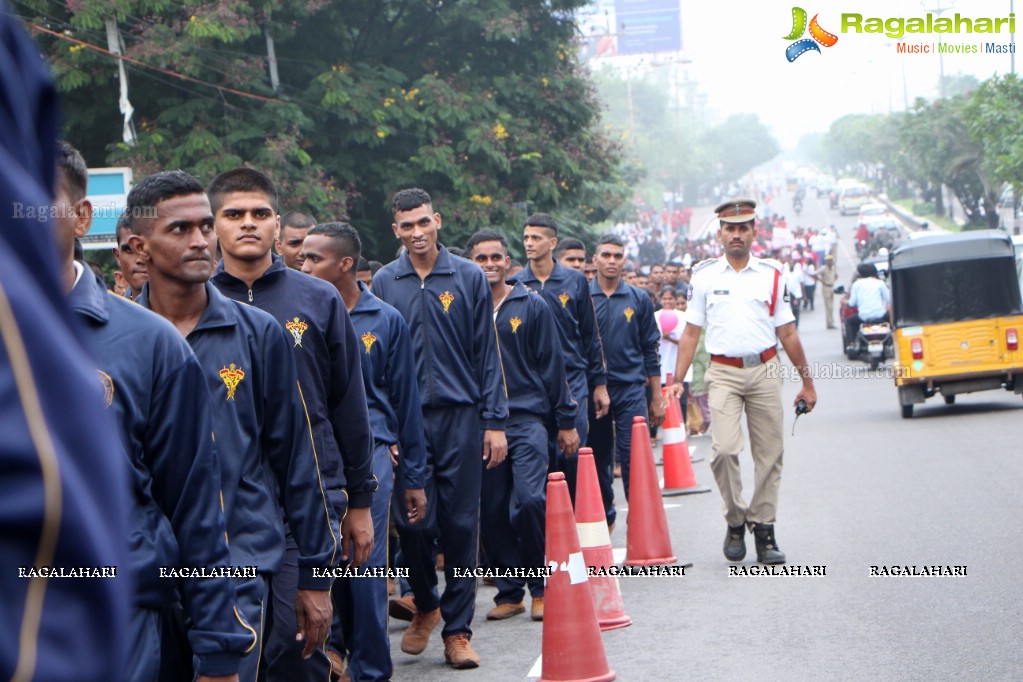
669,320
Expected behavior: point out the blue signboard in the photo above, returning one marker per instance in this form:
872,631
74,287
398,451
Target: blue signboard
648,26
108,193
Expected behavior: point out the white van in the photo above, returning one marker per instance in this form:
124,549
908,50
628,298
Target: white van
850,199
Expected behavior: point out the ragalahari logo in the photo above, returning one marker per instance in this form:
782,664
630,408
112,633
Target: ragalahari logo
817,35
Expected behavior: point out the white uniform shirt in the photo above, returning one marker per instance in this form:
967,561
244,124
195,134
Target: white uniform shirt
793,278
734,306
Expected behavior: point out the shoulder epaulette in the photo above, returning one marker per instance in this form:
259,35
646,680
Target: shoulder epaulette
703,263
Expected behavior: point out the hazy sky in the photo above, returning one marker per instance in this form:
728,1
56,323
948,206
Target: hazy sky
737,53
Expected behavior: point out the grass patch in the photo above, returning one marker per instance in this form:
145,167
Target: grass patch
926,211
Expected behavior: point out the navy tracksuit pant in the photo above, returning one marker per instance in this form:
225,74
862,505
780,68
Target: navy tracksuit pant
513,510
579,386
454,451
360,604
612,436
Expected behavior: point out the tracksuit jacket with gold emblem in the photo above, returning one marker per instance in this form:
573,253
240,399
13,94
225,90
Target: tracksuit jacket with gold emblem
534,365
156,387
629,332
262,436
329,371
449,326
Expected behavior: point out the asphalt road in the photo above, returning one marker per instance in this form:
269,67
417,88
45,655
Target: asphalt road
862,487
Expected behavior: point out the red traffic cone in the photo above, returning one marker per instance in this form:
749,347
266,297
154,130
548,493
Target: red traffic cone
648,541
572,648
679,478
596,544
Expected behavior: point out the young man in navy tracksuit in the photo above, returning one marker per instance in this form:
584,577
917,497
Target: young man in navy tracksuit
513,514
568,294
331,252
261,430
447,304
244,203
63,480
158,393
626,319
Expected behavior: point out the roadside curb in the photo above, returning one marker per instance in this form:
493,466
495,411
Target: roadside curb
910,219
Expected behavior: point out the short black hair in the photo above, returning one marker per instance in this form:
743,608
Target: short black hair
123,225
363,265
542,220
408,199
73,171
669,290
456,251
150,191
609,238
346,238
569,243
375,265
241,180
485,235
673,263
297,219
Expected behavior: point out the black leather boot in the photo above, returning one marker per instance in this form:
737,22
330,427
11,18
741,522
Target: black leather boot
767,547
735,543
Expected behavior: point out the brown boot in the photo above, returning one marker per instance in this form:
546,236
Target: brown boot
536,608
502,611
402,608
417,635
459,654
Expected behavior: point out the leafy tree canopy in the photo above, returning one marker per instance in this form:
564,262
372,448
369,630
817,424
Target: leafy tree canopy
481,102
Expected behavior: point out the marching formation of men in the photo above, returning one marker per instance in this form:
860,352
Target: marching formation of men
278,413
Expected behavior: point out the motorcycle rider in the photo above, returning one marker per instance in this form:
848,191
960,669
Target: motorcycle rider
872,300
863,241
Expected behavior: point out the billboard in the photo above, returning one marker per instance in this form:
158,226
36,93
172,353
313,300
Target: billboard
108,193
648,26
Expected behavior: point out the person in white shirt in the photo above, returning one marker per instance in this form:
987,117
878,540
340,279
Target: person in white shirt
809,283
793,277
871,298
739,299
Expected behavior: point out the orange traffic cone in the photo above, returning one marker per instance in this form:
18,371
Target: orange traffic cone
572,648
648,541
596,544
679,478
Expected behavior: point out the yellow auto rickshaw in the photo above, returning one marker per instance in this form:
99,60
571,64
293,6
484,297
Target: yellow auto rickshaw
958,316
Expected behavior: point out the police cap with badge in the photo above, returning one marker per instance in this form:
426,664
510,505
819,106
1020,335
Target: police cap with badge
737,210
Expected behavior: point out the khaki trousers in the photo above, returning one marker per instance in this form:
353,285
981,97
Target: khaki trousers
758,391
828,293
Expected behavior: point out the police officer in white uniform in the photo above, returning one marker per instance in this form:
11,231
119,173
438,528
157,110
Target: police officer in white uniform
741,300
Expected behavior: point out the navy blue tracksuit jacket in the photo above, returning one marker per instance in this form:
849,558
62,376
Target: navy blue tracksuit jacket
568,294
158,391
262,435
329,371
534,366
63,479
629,332
392,392
473,376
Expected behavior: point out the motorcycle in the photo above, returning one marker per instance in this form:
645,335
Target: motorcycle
874,342
862,249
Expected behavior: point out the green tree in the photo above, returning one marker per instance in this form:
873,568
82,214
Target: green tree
994,116
940,151
482,102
